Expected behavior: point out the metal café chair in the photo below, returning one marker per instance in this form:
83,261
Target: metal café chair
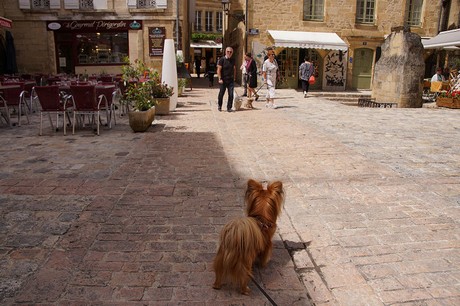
86,102
110,93
13,96
4,111
52,102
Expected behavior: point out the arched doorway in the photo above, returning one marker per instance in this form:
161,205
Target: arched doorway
362,68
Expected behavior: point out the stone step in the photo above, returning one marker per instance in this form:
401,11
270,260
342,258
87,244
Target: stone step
348,96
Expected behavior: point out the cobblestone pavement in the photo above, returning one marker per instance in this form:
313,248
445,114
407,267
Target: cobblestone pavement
371,214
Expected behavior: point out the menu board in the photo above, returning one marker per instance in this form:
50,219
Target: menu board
157,37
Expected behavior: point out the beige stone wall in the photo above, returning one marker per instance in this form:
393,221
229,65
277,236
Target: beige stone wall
339,18
29,32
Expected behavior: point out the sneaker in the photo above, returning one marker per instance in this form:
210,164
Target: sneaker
230,110
219,109
305,95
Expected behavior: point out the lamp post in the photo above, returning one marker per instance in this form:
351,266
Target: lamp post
238,17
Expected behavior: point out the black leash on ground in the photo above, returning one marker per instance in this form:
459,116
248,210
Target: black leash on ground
264,293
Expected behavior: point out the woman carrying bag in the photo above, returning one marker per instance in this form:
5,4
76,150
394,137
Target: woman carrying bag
306,71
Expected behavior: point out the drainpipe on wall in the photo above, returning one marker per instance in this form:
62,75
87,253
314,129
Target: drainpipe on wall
246,29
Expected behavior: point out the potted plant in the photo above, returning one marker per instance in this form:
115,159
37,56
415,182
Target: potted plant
181,83
137,96
162,93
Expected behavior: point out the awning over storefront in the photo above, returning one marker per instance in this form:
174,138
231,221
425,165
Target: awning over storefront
310,40
6,23
443,39
206,44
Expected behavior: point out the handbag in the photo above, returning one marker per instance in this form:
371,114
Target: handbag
312,80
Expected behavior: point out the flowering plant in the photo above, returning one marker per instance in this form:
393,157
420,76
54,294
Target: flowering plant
143,85
450,94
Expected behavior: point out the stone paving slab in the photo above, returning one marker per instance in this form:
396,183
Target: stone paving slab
371,213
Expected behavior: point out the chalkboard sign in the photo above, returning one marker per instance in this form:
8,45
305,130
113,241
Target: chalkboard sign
157,37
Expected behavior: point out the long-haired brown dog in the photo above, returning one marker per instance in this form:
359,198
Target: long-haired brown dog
244,240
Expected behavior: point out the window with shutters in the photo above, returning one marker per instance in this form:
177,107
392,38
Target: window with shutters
414,16
197,21
313,10
40,4
146,4
86,4
365,10
219,21
208,21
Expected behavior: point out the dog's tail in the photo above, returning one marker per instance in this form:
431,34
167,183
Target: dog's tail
241,240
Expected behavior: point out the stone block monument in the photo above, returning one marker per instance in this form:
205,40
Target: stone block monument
398,74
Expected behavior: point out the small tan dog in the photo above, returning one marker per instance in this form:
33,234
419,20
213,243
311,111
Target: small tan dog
248,103
246,240
237,101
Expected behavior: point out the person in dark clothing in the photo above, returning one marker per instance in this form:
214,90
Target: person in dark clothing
306,70
226,72
198,66
251,69
211,70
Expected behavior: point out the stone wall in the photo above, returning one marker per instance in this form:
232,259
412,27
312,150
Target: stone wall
398,73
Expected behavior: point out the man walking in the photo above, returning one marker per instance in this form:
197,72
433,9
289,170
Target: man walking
226,72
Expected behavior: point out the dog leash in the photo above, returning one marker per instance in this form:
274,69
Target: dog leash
264,293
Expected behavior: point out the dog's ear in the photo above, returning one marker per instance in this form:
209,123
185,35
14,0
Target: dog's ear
254,185
277,194
276,187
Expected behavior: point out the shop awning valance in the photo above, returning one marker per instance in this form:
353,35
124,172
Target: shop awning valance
6,23
206,44
310,40
443,39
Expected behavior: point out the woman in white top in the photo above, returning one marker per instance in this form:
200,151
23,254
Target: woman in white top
269,71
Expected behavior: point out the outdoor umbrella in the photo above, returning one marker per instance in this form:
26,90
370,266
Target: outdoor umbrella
11,66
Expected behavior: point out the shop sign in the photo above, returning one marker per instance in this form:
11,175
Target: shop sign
6,23
93,25
157,37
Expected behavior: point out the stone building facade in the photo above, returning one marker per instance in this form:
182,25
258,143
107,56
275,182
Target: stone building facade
74,36
363,31
206,31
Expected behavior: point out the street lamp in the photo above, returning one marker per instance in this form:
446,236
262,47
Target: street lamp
226,8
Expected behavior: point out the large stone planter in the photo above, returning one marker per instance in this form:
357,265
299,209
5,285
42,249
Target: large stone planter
140,121
162,106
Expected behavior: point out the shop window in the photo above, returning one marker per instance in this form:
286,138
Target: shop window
101,48
414,16
208,21
365,10
313,10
